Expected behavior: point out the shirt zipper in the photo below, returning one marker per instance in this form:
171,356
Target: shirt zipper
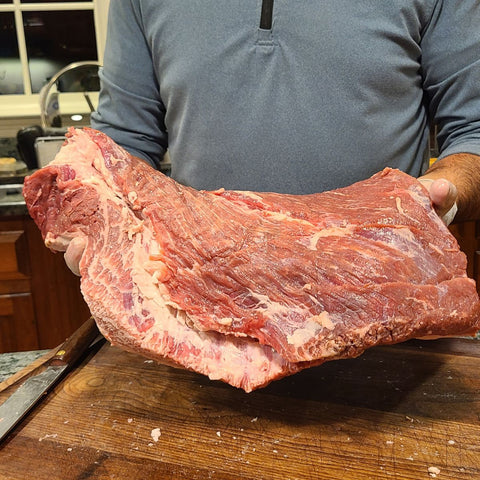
266,15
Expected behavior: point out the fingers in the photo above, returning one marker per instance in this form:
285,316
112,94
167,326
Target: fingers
74,253
443,195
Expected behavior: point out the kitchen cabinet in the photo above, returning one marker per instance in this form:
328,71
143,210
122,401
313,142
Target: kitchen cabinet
468,237
40,299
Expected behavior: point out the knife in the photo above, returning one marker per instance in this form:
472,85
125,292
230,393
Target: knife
16,407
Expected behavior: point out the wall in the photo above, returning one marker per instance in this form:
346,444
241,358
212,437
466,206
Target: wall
10,126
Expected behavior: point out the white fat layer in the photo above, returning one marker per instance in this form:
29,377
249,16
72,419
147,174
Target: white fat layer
311,329
324,320
274,309
85,154
398,204
146,273
132,196
248,194
172,336
311,242
301,336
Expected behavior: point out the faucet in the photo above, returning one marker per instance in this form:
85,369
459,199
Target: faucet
46,88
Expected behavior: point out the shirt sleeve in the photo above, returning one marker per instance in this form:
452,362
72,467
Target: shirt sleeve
130,109
451,73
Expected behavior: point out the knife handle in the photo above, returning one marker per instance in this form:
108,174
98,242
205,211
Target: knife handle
73,347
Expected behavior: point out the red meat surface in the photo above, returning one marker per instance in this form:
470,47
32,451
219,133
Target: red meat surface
249,287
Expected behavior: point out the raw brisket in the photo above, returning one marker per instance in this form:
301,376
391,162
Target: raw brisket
249,287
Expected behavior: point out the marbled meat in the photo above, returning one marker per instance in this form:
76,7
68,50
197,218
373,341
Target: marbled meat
249,287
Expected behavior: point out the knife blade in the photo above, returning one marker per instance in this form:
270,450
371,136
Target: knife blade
19,404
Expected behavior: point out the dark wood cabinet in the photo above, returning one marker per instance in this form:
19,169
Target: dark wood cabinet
468,237
18,328
40,299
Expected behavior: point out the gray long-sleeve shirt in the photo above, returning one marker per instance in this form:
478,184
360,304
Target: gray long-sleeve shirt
328,94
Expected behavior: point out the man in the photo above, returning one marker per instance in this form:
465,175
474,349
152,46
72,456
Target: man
298,97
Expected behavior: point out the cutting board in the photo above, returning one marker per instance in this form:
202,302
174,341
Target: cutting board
410,411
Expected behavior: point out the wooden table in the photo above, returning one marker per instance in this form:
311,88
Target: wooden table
410,411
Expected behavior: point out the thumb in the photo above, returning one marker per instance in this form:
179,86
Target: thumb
443,195
74,253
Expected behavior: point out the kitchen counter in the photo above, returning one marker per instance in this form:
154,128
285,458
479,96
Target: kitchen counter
11,198
11,363
407,412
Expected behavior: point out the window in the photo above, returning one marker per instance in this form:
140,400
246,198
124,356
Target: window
39,38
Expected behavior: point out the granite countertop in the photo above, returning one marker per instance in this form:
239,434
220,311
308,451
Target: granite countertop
11,199
11,363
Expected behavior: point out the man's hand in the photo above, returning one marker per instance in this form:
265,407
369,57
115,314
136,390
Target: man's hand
461,170
443,195
74,254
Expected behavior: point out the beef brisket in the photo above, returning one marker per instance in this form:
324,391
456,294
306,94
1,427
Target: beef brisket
249,287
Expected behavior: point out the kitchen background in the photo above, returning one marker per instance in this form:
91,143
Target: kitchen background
49,57
37,39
